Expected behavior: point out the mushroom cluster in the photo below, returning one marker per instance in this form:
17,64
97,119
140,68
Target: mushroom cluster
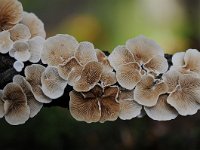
21,33
134,79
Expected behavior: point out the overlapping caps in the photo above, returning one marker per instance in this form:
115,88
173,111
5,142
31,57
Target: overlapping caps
134,79
21,33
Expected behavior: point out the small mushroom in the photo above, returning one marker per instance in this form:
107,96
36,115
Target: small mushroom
90,76
16,108
128,107
162,111
10,13
19,32
178,59
18,65
5,42
148,91
33,75
53,85
33,104
34,24
58,49
85,53
2,112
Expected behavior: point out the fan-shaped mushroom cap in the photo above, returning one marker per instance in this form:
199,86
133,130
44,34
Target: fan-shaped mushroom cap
143,49
128,107
53,85
84,109
162,111
120,56
65,69
33,75
16,109
128,75
58,49
109,106
18,65
33,104
90,76
5,42
34,24
147,91
19,32
85,53
2,112
20,51
178,59
185,98
36,47
158,64
10,13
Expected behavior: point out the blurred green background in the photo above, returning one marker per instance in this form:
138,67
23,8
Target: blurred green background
174,24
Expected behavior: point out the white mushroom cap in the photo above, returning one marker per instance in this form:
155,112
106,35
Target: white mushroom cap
178,59
85,53
33,75
34,24
10,13
21,51
18,65
19,32
162,111
33,104
16,109
36,47
58,49
2,112
143,49
120,56
53,85
5,42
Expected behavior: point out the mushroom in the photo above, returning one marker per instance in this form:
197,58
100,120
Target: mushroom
10,13
162,111
53,85
2,112
33,104
33,75
18,65
148,91
128,107
90,76
16,108
19,32
34,24
5,42
185,98
95,105
58,49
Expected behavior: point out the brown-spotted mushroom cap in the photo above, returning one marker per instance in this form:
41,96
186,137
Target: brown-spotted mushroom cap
58,49
35,48
5,42
10,13
16,108
128,107
2,112
34,24
128,75
19,32
53,85
33,104
90,76
33,75
20,51
85,53
143,49
185,98
162,111
147,91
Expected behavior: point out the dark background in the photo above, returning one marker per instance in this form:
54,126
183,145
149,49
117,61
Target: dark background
175,25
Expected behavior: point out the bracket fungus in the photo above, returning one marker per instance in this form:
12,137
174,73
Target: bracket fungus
134,79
